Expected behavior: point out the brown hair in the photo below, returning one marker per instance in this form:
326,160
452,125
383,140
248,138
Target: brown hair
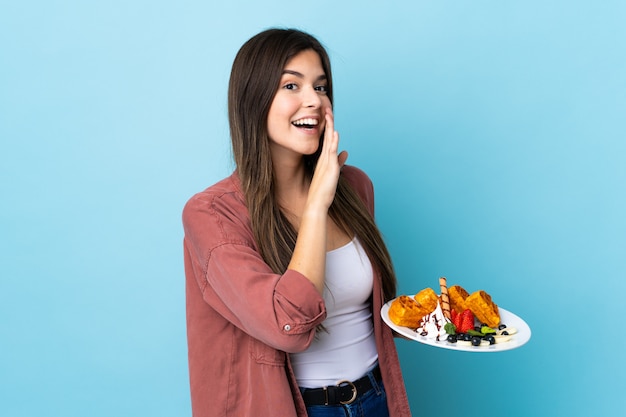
254,80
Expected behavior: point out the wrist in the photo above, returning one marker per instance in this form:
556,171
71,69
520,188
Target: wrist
315,212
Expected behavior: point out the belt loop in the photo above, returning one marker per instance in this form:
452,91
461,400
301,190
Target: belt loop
326,395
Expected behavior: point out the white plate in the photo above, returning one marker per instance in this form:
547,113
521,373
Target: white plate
506,317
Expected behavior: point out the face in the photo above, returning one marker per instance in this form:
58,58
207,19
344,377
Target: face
296,116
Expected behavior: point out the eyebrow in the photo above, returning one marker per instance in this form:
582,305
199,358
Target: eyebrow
300,75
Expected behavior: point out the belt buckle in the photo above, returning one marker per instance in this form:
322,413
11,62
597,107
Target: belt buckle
354,393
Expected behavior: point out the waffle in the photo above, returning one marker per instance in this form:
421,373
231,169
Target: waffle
457,295
483,308
407,311
427,299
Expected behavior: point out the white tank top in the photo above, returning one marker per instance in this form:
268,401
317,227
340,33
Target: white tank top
347,349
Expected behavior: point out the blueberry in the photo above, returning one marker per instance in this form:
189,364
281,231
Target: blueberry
490,339
467,337
477,328
502,326
476,341
452,338
505,333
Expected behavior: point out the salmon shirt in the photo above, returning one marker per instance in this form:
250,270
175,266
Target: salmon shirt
243,319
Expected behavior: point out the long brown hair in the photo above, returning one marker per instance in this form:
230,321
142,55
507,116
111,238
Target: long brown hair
254,80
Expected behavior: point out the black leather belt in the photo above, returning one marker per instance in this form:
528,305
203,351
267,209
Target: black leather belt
345,392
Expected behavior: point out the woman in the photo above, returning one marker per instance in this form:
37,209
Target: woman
286,270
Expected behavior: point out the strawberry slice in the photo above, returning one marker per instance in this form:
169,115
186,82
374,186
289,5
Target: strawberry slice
456,320
466,321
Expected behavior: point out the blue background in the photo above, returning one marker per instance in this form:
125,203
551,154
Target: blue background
493,130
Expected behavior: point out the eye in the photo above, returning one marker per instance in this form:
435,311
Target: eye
290,86
322,88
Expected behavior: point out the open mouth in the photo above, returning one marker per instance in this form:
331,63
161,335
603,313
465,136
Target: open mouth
306,123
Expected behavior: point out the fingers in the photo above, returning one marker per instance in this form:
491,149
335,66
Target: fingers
331,139
331,136
328,167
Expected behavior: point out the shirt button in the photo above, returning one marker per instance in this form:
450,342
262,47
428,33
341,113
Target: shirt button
287,327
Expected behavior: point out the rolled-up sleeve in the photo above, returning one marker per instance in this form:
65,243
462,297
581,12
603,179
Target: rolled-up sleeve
294,310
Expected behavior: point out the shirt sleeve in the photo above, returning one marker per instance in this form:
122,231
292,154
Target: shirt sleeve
281,310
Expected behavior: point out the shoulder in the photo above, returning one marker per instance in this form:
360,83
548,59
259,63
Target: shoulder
219,210
360,182
354,174
224,192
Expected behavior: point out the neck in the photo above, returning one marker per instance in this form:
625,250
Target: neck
291,187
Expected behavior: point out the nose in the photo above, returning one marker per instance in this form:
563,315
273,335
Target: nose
311,98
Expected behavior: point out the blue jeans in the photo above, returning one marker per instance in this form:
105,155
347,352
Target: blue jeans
373,403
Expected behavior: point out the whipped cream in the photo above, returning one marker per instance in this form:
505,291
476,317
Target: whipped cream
431,325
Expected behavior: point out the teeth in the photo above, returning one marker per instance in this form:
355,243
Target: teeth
307,122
